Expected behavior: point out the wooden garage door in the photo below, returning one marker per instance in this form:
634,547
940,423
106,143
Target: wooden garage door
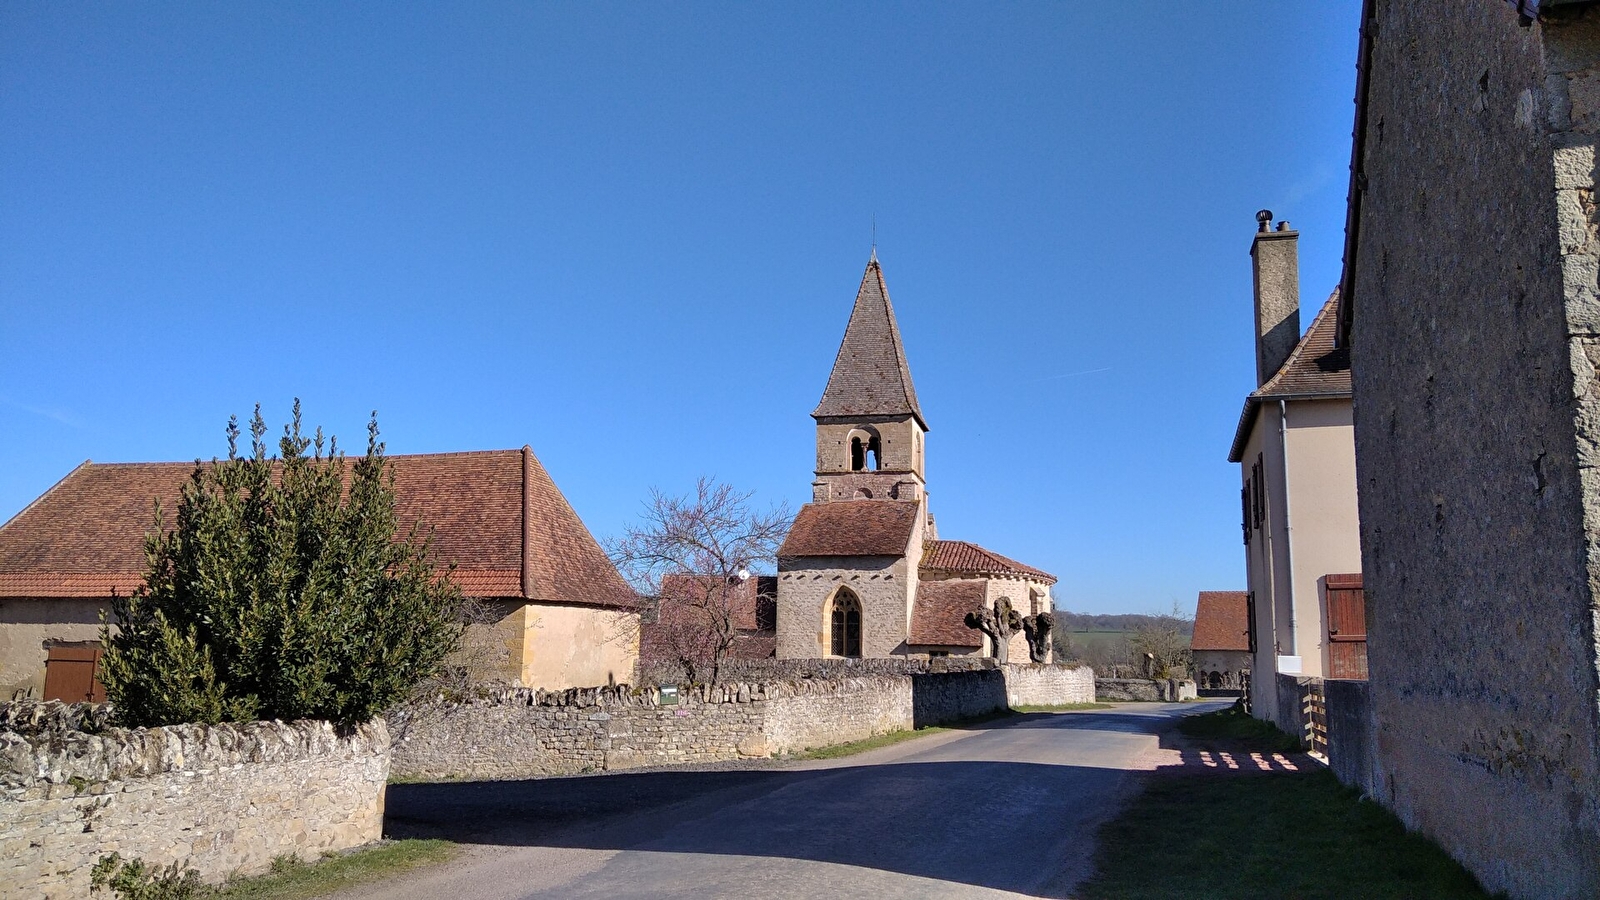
1347,627
70,673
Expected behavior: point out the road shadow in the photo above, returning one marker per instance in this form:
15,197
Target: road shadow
938,819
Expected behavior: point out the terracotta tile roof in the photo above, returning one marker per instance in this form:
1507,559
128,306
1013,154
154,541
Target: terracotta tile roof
1221,621
939,617
966,558
1315,368
870,375
753,601
852,528
85,536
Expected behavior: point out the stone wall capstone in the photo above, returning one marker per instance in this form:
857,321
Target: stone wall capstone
221,799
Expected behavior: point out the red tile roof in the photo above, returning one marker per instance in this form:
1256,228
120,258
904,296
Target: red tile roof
965,558
1221,621
1315,368
870,376
85,536
752,601
939,618
852,528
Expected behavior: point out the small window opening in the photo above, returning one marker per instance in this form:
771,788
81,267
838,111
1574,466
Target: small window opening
873,453
858,455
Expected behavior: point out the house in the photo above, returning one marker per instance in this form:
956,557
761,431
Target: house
555,612
1296,453
1471,310
691,608
1220,646
863,572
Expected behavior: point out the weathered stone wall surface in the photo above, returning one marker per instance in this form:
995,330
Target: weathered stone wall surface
806,585
1049,685
1352,751
1170,690
519,733
1476,407
217,798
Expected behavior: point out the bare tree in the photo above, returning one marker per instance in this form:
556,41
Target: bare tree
999,623
1161,646
697,555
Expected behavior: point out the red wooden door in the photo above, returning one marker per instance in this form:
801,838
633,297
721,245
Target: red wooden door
71,674
1347,627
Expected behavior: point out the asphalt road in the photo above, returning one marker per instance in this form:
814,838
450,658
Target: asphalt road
1001,809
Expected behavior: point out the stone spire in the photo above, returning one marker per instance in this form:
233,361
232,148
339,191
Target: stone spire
870,376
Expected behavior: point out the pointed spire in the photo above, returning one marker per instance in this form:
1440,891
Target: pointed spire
870,376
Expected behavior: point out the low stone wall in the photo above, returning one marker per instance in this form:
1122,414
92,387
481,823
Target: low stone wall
1293,713
1352,734
221,799
1169,690
1034,685
521,733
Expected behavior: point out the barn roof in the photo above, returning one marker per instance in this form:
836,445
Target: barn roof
495,514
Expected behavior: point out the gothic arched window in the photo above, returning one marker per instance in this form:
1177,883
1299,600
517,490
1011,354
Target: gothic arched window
845,626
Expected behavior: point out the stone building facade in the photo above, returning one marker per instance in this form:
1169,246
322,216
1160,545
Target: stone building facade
852,572
1220,644
1472,311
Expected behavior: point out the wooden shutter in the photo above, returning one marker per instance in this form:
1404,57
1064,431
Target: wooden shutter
71,673
1347,627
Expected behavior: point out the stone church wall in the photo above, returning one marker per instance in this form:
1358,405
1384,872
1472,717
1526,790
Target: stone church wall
217,798
805,585
520,733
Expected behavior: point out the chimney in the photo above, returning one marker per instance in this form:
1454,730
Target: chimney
1276,264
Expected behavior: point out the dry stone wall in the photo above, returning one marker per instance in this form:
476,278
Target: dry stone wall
521,733
221,799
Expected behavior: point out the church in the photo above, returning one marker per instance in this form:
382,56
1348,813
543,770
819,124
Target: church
863,573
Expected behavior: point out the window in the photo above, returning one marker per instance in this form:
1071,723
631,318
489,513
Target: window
1244,505
865,452
845,626
1250,618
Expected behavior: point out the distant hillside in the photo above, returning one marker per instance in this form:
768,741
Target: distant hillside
1125,622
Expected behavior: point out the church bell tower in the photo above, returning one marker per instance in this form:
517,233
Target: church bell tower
870,431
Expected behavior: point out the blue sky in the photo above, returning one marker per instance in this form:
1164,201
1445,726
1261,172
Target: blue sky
629,235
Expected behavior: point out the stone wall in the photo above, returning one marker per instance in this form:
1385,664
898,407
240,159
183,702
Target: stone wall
1352,751
518,733
1480,483
1171,690
220,799
1049,685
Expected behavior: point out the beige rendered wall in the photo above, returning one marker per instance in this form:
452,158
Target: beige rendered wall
1259,559
27,625
578,646
1326,534
492,647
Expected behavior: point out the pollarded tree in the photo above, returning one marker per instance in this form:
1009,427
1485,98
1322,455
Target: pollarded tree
999,623
287,590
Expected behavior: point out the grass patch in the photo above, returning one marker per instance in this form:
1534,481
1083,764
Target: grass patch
1061,707
1298,835
1234,724
291,879
872,743
893,737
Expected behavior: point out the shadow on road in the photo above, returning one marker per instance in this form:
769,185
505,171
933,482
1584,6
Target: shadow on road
971,822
